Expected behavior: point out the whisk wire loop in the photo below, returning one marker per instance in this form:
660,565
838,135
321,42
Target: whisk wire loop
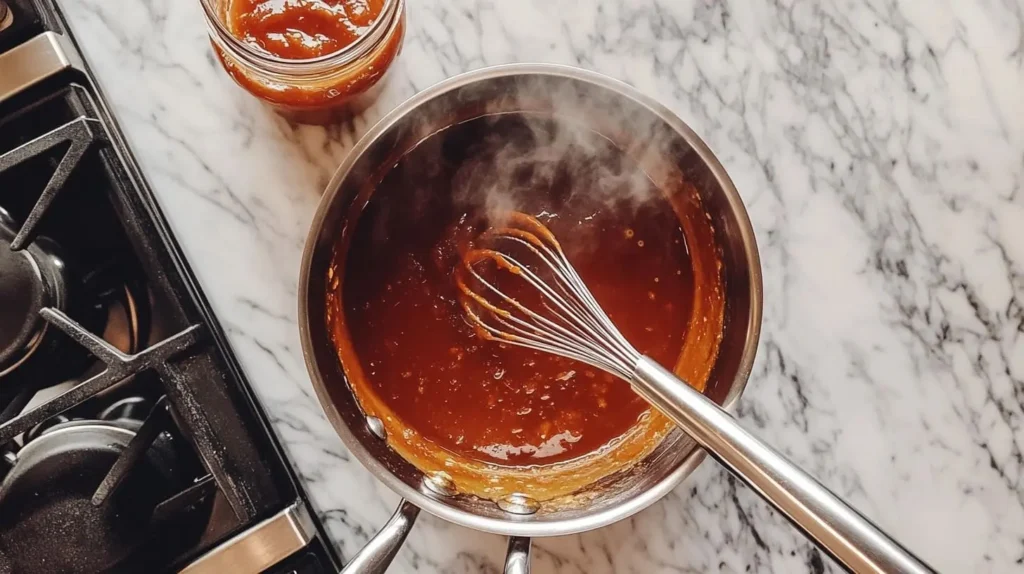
569,322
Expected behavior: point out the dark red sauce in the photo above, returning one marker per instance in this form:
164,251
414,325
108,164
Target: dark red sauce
481,400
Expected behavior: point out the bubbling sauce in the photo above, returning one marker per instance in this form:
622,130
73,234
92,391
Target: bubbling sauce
477,399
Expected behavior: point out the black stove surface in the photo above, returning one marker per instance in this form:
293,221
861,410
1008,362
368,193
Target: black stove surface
130,440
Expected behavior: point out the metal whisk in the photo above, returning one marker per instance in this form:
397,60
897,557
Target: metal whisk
568,321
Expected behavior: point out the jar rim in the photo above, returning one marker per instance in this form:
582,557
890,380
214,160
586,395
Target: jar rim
377,30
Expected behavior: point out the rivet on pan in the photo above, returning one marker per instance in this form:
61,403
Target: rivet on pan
518,504
440,483
377,427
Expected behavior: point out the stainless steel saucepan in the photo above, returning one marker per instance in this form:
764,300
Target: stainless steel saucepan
614,110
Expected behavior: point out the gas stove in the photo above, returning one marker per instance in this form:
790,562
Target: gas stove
130,440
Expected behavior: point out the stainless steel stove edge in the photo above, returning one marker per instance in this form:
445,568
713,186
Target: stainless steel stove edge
41,57
261,546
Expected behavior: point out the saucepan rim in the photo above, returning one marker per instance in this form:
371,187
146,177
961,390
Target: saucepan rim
511,527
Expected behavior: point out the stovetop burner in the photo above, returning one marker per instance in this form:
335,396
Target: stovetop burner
94,485
29,280
106,298
129,437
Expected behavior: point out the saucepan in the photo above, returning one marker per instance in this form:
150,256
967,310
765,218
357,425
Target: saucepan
623,115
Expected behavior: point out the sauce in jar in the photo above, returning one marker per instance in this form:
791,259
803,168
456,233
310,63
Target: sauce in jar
453,399
307,58
301,29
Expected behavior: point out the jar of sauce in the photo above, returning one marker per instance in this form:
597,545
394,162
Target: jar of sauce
309,59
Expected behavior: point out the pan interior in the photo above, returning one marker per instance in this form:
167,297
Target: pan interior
673,166
498,420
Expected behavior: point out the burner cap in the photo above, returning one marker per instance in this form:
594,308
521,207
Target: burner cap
48,522
23,294
29,280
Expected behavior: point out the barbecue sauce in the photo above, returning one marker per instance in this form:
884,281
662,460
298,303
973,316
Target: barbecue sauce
477,399
310,59
301,29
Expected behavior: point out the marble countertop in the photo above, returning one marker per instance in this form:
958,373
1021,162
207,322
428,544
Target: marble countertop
879,147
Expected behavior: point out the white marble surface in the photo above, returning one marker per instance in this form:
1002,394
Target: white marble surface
879,147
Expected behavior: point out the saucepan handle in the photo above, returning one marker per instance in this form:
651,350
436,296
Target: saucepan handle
838,528
376,556
517,560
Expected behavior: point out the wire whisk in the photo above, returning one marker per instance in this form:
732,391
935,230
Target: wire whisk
552,310
570,324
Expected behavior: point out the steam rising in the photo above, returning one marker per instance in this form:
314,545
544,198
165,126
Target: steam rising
592,146
551,157
524,137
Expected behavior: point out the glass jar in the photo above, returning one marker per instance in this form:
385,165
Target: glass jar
314,90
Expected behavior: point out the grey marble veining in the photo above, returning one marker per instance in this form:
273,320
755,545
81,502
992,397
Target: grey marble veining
879,147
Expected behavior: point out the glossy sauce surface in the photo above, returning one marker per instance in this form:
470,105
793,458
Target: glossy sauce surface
301,29
483,401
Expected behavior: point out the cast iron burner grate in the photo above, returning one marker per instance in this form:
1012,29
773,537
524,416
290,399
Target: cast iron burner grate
119,368
79,136
129,437
97,492
100,488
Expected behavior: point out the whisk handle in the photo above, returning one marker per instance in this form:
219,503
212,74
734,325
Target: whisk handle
842,532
